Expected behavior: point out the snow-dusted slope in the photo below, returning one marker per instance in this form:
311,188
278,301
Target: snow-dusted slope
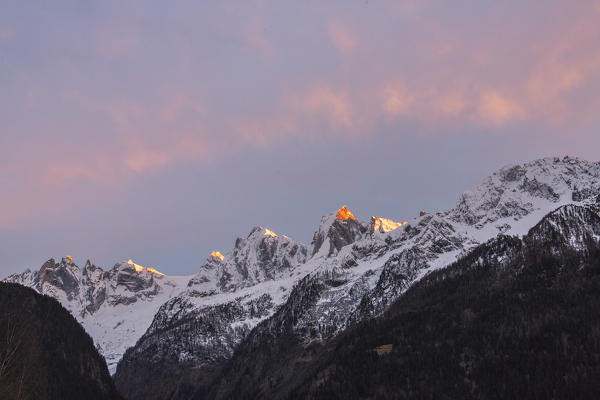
115,307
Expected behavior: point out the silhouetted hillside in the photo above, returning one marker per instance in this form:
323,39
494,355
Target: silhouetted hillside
45,353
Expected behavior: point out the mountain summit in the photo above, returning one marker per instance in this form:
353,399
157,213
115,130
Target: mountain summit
139,268
344,214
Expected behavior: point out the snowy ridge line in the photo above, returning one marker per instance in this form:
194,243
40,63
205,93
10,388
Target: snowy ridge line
354,270
359,268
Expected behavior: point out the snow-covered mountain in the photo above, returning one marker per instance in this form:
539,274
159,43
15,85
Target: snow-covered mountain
350,271
115,306
262,256
479,325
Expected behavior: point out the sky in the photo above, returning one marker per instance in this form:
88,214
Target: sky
161,131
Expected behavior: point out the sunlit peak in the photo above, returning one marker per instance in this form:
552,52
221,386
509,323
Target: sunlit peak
344,214
69,257
154,271
384,224
217,254
139,268
269,232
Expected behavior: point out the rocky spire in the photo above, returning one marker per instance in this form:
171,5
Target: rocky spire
344,214
216,254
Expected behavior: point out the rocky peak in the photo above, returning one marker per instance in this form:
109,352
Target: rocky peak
130,265
64,277
515,191
336,231
92,273
383,225
344,214
92,293
89,267
258,233
262,255
134,278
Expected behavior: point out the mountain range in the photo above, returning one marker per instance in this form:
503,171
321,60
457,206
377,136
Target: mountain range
178,337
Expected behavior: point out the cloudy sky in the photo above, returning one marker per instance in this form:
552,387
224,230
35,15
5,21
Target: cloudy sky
161,131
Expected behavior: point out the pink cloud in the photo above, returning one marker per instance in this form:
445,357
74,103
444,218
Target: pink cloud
442,76
177,105
141,159
496,108
261,131
397,100
298,114
451,105
427,104
325,102
341,37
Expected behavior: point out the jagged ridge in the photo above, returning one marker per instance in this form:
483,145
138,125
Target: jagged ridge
359,268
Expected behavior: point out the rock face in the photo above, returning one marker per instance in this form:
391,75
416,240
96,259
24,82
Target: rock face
262,256
350,272
44,352
336,231
114,306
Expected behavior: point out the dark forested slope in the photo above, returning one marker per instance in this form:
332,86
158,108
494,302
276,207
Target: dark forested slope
45,353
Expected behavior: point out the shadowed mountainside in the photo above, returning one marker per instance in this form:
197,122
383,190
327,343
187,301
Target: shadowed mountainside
45,353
